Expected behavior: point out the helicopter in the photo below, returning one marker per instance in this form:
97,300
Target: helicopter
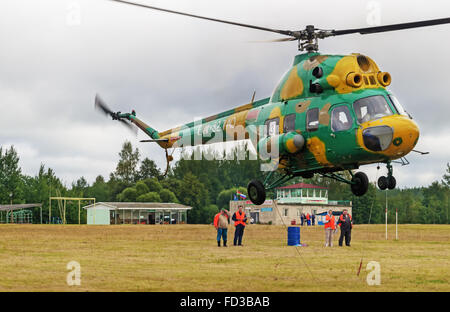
328,114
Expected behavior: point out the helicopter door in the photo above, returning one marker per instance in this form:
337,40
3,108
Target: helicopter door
342,133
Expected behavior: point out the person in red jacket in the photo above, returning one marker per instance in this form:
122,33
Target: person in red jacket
346,224
330,227
221,225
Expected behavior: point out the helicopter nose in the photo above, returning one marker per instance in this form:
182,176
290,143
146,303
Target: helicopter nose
393,136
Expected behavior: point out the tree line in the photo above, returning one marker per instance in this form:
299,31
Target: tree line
207,186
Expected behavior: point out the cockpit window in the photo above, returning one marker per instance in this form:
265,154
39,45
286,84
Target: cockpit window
398,106
370,108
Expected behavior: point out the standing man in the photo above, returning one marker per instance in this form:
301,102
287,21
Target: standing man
330,226
302,218
313,218
221,225
308,219
346,225
239,219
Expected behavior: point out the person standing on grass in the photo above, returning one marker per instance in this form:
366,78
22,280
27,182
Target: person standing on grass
302,217
239,219
313,219
308,219
221,225
330,227
345,223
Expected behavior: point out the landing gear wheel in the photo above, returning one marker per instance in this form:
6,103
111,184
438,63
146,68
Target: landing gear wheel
382,183
256,192
391,183
360,185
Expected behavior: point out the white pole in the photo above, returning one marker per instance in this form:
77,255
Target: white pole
386,215
396,224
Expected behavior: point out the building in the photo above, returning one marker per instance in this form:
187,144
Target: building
136,213
291,201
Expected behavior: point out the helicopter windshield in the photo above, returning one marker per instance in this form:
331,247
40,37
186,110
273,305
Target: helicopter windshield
370,108
398,106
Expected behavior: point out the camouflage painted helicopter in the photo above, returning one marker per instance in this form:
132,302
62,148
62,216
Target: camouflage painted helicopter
328,114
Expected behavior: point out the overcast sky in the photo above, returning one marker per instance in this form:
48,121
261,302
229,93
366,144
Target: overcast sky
55,55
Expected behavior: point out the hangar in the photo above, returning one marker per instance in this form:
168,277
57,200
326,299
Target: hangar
136,213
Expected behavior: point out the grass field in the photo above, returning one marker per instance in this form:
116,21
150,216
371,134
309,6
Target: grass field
186,258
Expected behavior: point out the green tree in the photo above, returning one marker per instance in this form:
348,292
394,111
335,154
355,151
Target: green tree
167,196
99,190
126,169
153,185
10,176
224,197
149,197
194,194
446,177
207,214
79,187
148,169
128,195
141,188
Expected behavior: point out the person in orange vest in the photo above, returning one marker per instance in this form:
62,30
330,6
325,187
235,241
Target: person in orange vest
345,224
239,219
308,219
330,227
221,225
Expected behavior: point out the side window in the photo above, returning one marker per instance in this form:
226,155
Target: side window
272,126
341,119
312,119
289,123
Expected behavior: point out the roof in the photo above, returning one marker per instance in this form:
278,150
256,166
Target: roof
134,205
302,186
18,207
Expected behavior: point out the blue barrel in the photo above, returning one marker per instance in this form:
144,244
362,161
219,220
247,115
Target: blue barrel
293,236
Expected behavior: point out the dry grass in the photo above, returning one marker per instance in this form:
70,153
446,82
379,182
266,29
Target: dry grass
186,258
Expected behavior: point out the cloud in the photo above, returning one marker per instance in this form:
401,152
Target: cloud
172,69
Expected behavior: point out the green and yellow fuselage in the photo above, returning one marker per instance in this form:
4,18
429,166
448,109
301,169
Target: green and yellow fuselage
328,113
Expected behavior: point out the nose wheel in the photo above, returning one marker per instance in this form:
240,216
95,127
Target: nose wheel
387,182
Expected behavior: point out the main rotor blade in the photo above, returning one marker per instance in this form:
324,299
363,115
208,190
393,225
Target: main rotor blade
283,32
154,140
276,40
377,29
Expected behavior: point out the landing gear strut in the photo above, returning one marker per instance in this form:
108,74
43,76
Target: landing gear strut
388,182
359,184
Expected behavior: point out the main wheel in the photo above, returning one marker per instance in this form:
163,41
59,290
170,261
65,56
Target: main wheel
256,192
382,183
361,184
391,183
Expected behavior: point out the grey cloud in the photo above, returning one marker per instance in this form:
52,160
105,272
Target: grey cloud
171,69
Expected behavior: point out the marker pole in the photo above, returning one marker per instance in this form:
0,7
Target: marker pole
386,216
